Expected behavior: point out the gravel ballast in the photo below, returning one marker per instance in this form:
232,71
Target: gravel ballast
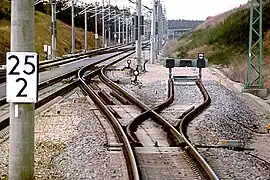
230,116
71,143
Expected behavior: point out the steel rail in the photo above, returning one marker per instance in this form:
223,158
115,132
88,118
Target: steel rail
5,122
43,65
54,80
182,127
133,125
181,139
134,174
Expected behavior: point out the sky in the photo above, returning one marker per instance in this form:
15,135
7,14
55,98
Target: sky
188,9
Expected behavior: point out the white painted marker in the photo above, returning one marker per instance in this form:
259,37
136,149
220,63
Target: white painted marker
16,111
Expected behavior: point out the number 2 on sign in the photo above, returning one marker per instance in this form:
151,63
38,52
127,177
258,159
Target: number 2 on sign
22,72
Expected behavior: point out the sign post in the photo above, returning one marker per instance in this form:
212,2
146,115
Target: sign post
53,28
21,86
153,34
200,64
139,40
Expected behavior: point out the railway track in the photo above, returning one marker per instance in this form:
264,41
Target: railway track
191,160
131,162
48,64
191,165
43,99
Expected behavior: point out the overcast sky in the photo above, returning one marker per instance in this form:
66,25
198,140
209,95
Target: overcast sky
188,9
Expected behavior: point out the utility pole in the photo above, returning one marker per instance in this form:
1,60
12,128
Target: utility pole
85,30
21,154
103,25
166,25
130,29
163,26
73,33
153,34
96,28
119,29
139,41
123,25
115,31
255,54
159,44
109,23
127,31
53,28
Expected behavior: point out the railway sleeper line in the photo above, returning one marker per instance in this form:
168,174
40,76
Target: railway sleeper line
157,118
110,112
131,163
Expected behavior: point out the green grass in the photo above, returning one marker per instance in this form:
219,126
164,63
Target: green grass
226,39
227,44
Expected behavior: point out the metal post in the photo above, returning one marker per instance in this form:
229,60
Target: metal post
132,32
153,33
255,55
170,73
163,27
200,74
85,31
103,25
160,25
123,28
73,33
53,28
119,29
115,31
130,29
21,153
145,26
96,28
126,31
139,41
109,41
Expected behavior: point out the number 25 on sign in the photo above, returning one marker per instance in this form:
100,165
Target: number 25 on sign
22,77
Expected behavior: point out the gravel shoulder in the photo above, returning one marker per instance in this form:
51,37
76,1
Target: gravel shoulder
232,115
71,143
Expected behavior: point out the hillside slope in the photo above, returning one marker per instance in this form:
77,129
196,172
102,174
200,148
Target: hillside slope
226,44
42,27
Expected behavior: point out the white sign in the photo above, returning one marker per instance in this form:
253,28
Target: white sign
96,36
22,77
45,47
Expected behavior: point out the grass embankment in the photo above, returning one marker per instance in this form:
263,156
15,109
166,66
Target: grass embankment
42,36
226,44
